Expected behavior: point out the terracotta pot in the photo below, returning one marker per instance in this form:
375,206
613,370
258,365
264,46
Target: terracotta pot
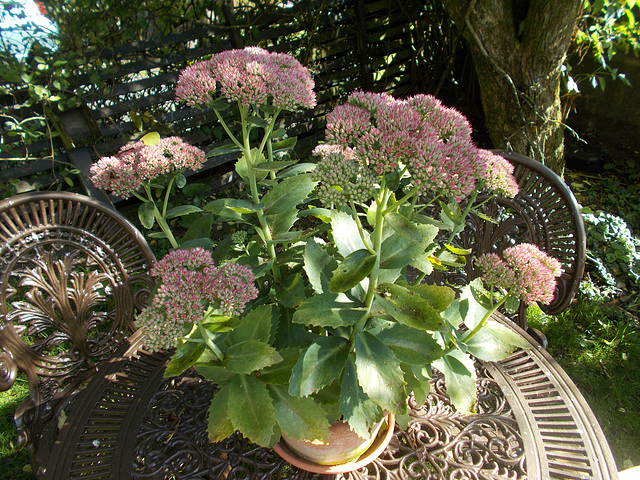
344,452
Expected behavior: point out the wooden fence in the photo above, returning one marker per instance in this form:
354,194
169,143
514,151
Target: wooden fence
402,47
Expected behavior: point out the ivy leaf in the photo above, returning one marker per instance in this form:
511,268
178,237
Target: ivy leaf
300,418
320,365
251,409
379,373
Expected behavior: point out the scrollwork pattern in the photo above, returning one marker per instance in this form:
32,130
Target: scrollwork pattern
438,442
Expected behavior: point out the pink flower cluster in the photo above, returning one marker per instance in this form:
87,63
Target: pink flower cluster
432,141
189,282
524,270
135,164
251,76
499,174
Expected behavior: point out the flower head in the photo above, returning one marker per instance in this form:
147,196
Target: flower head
524,270
342,177
189,283
499,174
251,76
135,164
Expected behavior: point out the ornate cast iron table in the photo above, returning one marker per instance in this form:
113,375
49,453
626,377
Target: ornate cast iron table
532,423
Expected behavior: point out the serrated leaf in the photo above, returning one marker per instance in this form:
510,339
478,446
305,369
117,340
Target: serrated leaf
457,250
404,227
419,388
215,373
223,150
346,236
398,251
495,342
219,426
251,410
299,418
273,166
181,211
379,373
319,365
256,325
291,292
411,346
185,356
249,356
146,214
409,308
460,379
284,145
280,373
327,310
288,194
352,270
317,265
201,228
358,410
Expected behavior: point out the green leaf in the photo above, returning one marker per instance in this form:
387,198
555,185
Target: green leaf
297,169
193,189
352,270
181,180
227,209
419,388
398,251
181,211
319,365
205,243
284,145
215,373
460,379
404,227
415,347
255,325
379,373
408,308
495,342
300,418
185,356
358,410
282,222
219,426
439,297
317,265
146,214
326,310
345,233
251,410
280,373
201,228
249,356
223,150
457,250
288,194
274,166
291,292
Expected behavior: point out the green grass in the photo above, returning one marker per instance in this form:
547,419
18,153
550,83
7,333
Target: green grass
14,460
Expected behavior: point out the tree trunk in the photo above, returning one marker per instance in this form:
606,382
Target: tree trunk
519,47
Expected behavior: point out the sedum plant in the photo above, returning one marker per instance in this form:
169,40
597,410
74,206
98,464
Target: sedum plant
339,323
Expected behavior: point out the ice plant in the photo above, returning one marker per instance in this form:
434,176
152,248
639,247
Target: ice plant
135,167
342,326
192,292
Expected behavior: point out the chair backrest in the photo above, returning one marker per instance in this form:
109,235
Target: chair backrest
545,213
73,272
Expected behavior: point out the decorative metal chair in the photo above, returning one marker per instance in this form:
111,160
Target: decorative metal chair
72,274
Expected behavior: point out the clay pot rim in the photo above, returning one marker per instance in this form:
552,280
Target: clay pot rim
375,450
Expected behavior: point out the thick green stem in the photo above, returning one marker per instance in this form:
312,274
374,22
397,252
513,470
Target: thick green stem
162,222
364,239
206,336
477,328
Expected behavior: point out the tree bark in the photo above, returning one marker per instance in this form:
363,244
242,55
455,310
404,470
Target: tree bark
518,48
